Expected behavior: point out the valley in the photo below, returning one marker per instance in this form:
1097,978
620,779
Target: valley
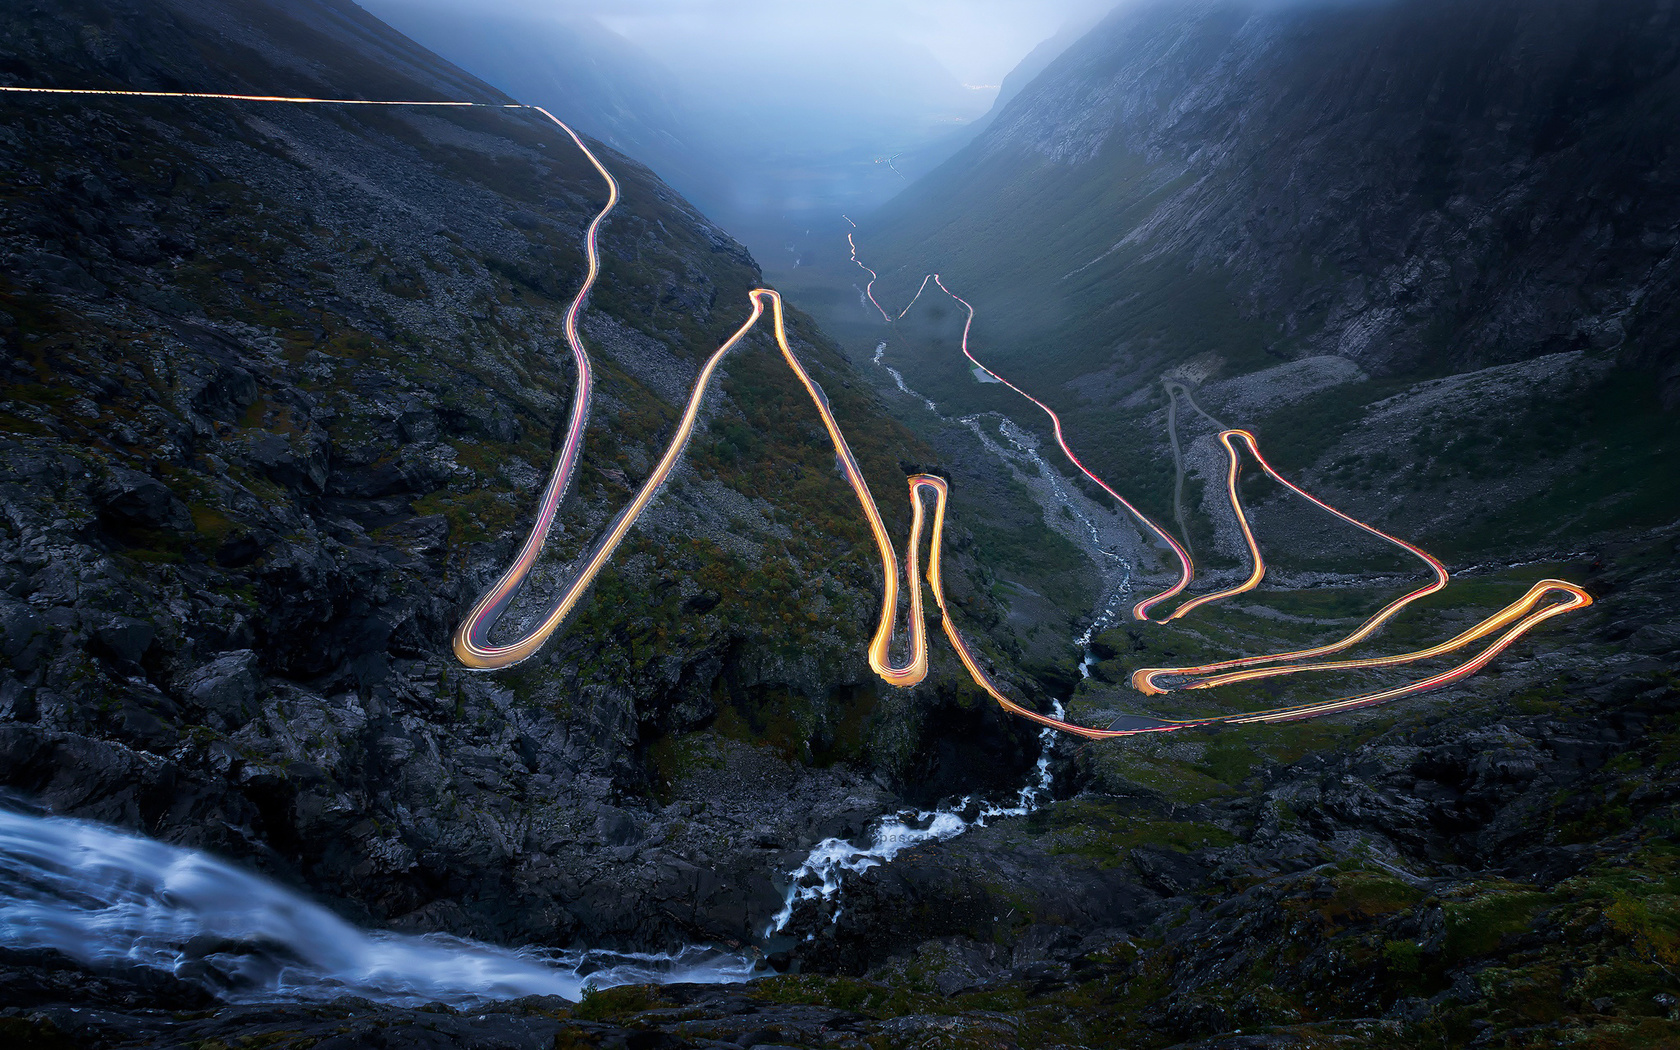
292,757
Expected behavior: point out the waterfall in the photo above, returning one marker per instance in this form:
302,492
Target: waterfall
818,878
109,898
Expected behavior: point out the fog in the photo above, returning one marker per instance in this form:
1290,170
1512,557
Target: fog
768,115
975,41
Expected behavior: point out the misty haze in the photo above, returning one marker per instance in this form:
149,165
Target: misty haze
773,118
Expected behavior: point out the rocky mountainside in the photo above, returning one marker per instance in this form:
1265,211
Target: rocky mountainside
1315,208
1412,185
281,387
1498,871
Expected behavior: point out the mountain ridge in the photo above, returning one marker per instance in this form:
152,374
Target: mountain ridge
1209,161
277,388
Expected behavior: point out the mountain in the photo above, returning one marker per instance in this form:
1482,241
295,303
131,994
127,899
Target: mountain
589,76
800,129
1417,189
282,384
923,157
1425,252
1026,71
1286,152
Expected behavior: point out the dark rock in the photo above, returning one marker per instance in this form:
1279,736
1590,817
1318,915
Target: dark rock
1167,872
426,535
703,602
22,636
301,469
59,274
226,688
124,639
38,977
229,393
241,549
132,498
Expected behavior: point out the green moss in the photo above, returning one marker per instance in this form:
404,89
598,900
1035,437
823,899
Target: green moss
1476,925
474,517
1402,957
1650,922
849,993
39,1034
614,1004
675,757
210,522
1108,832
1364,894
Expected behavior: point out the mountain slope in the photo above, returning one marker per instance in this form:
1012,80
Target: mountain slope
606,88
1427,152
1420,188
281,386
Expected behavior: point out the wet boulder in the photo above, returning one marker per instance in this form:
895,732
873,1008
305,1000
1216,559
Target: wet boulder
226,689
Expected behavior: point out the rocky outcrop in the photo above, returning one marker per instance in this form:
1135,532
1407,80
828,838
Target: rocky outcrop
1473,872
277,388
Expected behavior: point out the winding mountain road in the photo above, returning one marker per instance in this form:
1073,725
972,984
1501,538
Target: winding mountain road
1509,623
1175,388
474,648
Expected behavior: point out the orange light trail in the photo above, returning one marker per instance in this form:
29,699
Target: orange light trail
1228,438
471,641
868,289
264,98
1186,570
474,650
1515,619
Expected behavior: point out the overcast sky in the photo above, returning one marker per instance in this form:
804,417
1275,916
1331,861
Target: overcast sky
977,40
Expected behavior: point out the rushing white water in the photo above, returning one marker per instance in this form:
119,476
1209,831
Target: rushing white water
1115,570
818,878
898,377
108,898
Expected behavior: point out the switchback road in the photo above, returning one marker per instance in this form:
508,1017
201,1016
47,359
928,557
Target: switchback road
1509,623
474,648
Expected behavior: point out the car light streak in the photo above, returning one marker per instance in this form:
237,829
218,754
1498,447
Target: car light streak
869,289
474,649
1515,619
1186,568
473,653
471,643
265,98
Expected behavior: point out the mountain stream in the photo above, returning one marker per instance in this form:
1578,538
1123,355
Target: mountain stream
113,900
